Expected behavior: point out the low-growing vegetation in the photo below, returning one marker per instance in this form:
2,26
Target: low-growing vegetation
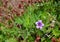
38,22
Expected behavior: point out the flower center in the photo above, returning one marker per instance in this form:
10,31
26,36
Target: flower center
39,24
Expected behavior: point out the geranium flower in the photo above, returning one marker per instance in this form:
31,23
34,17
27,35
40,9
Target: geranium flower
39,24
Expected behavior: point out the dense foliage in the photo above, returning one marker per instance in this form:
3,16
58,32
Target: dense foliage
24,28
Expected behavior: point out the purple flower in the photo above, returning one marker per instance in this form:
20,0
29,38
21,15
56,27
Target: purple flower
39,24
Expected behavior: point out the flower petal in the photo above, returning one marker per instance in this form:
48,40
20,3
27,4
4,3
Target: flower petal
40,27
37,27
36,23
42,24
40,21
